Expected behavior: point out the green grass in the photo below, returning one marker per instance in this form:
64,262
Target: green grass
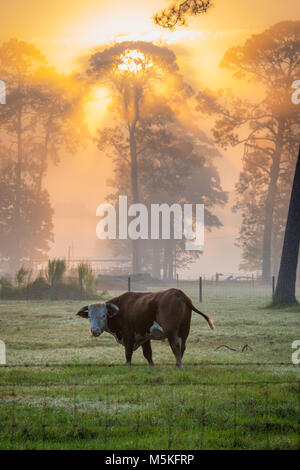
99,403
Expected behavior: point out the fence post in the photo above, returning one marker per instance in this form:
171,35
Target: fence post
200,289
129,283
273,286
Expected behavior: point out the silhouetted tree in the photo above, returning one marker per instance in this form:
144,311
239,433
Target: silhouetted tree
18,62
269,129
174,167
133,69
34,212
42,114
177,12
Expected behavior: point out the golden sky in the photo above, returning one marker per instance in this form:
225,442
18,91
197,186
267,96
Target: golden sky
63,29
66,29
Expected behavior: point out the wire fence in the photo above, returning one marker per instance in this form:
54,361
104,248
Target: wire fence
137,415
206,290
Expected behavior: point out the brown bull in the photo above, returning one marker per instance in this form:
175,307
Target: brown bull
134,319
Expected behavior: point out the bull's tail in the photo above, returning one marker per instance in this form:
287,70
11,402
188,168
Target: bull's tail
209,320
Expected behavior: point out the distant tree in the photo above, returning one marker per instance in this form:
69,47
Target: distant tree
177,12
60,124
285,288
34,214
251,194
132,69
18,62
42,115
269,129
21,276
174,167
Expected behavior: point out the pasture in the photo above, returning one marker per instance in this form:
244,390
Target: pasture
64,389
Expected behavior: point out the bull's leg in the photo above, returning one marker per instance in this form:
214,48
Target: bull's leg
128,343
147,351
182,348
176,344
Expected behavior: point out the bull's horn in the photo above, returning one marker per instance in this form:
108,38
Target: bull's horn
83,310
113,306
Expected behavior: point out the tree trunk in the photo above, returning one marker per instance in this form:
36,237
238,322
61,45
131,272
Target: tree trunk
136,255
165,263
286,284
156,259
269,209
267,239
15,257
168,265
43,164
171,261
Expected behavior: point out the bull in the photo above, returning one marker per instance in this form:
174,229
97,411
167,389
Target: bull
134,319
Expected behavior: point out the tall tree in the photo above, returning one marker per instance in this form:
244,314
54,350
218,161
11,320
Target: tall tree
42,114
35,214
133,69
285,288
174,167
18,62
269,128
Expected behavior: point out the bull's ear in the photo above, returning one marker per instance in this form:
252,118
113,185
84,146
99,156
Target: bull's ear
112,309
83,312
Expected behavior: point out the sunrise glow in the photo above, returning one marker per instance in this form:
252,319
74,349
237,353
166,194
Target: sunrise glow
134,61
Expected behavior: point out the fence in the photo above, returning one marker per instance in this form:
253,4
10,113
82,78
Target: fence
204,290
154,415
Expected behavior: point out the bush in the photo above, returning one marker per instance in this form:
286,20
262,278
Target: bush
39,289
8,291
87,280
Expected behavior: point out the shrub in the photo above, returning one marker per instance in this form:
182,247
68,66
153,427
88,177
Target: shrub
8,291
39,289
87,280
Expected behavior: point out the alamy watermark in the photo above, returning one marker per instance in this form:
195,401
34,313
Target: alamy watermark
166,222
296,354
2,353
296,94
2,92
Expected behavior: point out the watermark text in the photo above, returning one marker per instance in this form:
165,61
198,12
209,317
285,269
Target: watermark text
2,353
296,94
296,354
161,221
2,92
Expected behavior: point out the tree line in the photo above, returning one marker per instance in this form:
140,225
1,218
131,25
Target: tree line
158,149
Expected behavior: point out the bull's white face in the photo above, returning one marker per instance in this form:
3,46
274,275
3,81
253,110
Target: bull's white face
98,314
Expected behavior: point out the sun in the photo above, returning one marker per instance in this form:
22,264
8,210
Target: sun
134,61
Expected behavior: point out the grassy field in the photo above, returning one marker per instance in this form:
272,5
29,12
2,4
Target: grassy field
224,398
